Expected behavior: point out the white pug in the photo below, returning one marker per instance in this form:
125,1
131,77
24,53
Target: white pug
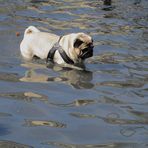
73,48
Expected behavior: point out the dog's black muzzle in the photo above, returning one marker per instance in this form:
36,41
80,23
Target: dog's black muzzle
86,53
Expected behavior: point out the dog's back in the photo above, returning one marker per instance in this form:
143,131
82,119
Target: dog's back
36,43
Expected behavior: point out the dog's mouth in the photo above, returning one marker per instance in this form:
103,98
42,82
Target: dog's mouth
86,53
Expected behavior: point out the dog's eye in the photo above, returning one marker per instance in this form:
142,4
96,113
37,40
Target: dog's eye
77,43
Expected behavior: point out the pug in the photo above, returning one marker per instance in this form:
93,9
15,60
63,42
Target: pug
68,49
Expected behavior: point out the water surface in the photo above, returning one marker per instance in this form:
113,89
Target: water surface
50,107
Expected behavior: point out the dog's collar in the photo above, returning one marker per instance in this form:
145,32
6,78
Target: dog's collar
63,54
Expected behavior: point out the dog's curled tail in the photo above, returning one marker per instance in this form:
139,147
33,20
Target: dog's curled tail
31,29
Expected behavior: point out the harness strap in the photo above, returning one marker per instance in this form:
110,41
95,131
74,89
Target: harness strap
65,57
52,51
63,54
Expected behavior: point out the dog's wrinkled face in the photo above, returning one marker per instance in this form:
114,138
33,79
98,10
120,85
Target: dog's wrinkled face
78,46
83,46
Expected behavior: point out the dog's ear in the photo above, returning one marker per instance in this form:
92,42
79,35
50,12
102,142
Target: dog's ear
77,43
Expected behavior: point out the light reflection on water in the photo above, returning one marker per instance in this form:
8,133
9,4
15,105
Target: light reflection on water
51,106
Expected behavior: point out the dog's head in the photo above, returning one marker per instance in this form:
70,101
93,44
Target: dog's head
78,45
83,46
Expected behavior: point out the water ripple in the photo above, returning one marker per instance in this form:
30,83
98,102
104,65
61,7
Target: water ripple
26,96
12,144
5,114
111,119
55,124
76,103
122,84
10,77
110,145
104,105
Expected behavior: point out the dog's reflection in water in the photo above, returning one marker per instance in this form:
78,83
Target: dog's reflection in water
79,79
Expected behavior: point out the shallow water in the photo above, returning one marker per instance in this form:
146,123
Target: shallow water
51,107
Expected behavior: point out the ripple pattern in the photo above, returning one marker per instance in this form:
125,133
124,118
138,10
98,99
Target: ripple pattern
103,106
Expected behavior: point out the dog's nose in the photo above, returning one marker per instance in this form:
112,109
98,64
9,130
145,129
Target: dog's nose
91,46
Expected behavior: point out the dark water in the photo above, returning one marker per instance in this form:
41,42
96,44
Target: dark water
103,107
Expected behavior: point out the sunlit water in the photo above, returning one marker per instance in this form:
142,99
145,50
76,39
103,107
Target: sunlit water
105,106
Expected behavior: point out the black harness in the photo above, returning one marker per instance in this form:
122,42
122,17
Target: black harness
63,54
